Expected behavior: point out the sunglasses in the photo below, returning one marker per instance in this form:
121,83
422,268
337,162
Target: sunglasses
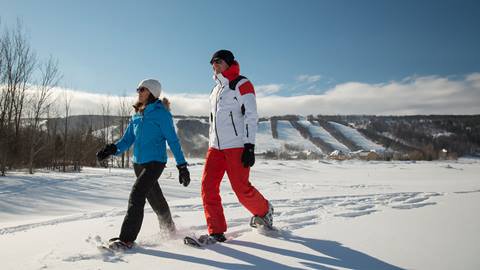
216,61
141,89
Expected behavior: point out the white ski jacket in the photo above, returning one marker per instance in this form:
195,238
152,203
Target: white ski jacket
233,112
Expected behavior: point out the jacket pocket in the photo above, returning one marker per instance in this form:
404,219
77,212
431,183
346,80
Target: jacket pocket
233,124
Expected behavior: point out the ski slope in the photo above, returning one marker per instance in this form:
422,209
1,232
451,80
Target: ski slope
319,132
329,215
357,138
264,140
291,136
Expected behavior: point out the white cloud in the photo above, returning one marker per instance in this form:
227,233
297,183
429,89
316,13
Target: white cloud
267,89
91,103
309,78
413,95
189,104
419,95
86,102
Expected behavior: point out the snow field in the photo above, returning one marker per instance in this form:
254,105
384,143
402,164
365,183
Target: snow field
329,215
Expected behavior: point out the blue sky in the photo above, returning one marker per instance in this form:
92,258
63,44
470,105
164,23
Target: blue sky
301,47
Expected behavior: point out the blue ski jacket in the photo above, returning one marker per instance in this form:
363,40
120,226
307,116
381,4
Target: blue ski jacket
148,132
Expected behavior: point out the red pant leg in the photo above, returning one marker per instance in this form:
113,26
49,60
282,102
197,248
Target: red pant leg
247,194
212,203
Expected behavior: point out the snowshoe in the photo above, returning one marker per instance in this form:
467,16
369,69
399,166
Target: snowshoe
265,221
115,245
204,240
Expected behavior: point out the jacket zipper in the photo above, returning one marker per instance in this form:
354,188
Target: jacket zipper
215,117
233,123
139,139
247,130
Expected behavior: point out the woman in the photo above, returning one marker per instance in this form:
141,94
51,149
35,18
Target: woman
150,127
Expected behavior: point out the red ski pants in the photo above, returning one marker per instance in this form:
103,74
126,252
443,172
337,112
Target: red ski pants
229,160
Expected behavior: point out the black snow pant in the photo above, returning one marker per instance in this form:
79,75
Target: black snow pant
146,187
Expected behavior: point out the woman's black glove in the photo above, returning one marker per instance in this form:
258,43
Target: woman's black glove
248,155
184,174
106,151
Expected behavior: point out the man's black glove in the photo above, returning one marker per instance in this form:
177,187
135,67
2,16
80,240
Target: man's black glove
248,155
183,174
106,151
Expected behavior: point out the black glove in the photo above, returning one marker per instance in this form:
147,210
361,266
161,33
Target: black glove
248,155
106,151
183,174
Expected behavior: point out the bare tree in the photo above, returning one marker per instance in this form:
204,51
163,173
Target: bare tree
41,100
52,132
91,145
18,62
124,109
67,100
106,119
2,77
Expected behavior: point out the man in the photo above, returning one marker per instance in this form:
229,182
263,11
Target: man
233,124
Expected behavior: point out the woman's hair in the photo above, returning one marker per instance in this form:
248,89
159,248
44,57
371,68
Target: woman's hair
166,103
140,107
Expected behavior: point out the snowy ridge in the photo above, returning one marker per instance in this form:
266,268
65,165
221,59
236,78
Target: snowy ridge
111,131
201,120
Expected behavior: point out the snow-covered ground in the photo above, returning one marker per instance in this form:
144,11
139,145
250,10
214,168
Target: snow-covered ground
319,132
291,136
329,215
357,138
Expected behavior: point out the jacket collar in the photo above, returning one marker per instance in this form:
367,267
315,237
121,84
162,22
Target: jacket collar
228,75
232,72
151,106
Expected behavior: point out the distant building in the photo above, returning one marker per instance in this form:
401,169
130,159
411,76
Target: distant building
338,155
366,155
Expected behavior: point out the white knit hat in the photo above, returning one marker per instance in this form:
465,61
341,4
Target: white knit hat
152,85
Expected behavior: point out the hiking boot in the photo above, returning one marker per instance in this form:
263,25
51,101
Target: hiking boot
117,244
268,218
212,238
219,237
